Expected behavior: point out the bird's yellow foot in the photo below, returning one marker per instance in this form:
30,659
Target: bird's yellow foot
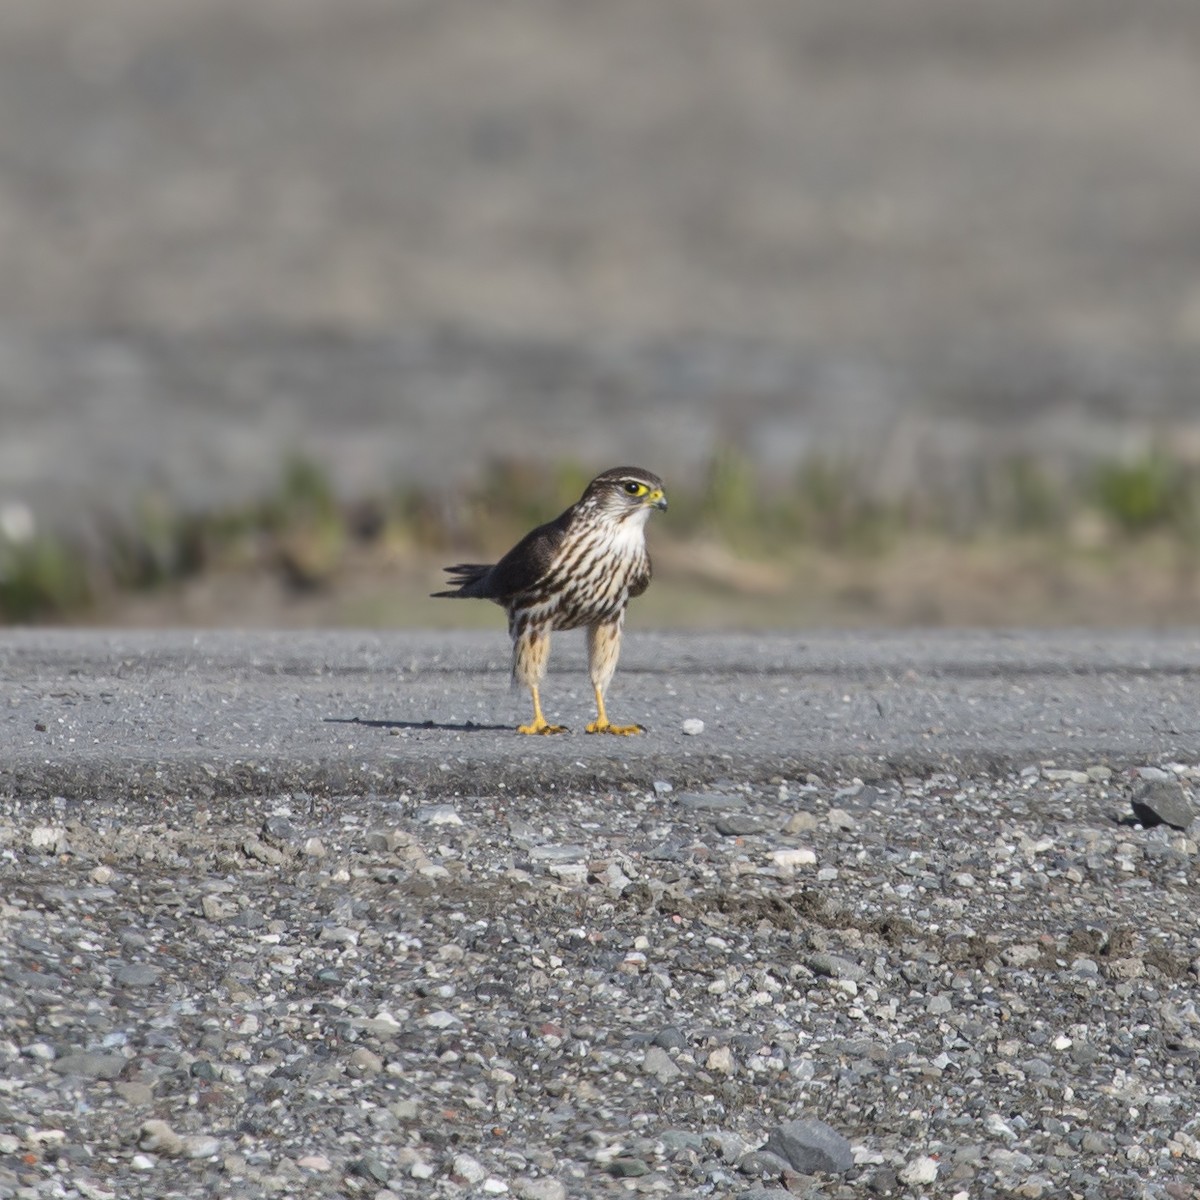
541,727
606,727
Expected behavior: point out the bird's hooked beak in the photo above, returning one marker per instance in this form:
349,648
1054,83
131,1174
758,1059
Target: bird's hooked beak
656,499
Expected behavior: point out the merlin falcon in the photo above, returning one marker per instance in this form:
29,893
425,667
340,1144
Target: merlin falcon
579,569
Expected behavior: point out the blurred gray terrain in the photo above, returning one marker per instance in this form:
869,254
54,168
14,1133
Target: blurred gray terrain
405,237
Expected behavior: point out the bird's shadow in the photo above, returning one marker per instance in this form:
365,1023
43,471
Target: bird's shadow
451,726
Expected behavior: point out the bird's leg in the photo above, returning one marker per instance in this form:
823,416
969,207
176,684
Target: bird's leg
539,724
602,724
604,645
531,649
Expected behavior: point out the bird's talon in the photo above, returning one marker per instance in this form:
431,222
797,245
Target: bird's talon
542,727
621,730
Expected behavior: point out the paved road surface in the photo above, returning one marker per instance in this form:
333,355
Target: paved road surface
156,716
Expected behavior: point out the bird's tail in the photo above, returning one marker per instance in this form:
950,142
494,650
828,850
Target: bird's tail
469,581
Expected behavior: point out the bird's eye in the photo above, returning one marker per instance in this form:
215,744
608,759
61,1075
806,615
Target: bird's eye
636,489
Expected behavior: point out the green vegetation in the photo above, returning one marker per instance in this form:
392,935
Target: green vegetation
732,533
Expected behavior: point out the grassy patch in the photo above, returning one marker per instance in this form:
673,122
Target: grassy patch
1027,542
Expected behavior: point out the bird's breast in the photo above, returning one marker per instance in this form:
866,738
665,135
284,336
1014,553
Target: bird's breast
590,580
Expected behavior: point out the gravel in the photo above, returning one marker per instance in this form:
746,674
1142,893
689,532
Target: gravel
982,985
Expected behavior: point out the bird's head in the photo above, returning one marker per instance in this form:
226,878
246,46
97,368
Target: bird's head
625,492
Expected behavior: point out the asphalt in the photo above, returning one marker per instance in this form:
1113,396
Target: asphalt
151,720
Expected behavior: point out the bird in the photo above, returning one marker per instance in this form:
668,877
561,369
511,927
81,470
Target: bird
581,569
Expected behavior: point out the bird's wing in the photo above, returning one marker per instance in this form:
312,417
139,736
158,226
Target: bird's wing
529,560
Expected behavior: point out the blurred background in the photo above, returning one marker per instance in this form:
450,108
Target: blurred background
301,299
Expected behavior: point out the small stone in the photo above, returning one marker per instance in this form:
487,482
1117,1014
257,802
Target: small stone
134,1092
387,841
201,1145
801,822
441,1019
438,814
693,726
525,1188
269,856
421,1170
136,975
762,1164
1064,776
217,908
834,966
1153,773
662,787
313,848
46,1137
669,1037
701,801
314,1162
736,825
674,1140
142,1162
839,818
1021,954
571,853
658,1062
614,879
920,1171
790,859
280,828
468,1168
48,839
811,1146
371,1167
721,1059
996,1126
1099,773
90,1065
627,1168
1163,802
568,873
157,1137
102,875
364,1062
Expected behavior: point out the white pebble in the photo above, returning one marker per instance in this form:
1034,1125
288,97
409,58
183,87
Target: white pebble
200,1145
46,1137
468,1168
721,1059
438,814
921,1170
693,726
49,839
791,858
